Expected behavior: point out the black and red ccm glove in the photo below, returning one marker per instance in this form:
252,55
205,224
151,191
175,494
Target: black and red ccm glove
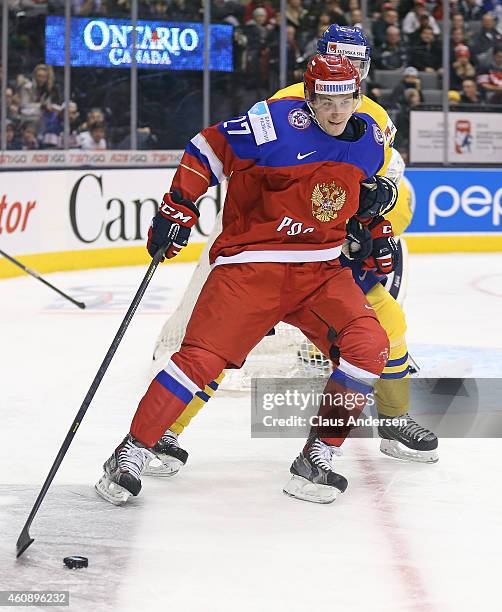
384,253
172,225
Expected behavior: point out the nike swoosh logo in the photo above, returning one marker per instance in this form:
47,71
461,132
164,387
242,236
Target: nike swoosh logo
300,156
368,307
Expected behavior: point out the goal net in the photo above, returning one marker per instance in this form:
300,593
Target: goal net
286,353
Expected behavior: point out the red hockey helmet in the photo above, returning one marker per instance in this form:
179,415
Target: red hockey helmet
331,75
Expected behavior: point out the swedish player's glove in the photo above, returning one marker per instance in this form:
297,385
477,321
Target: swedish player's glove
358,244
384,253
378,196
172,225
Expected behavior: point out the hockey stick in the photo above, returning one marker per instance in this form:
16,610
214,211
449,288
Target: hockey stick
25,539
42,280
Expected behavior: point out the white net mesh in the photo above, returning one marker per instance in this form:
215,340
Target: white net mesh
287,353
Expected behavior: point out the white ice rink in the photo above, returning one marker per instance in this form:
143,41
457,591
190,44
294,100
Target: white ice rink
220,536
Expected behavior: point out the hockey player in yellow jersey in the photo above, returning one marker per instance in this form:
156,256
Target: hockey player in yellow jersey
409,441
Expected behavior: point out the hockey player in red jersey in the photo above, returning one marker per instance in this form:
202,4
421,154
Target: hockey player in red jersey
289,162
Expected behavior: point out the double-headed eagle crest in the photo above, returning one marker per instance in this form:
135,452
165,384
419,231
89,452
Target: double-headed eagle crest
327,200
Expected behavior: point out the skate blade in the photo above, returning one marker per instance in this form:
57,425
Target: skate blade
111,492
162,468
301,488
393,448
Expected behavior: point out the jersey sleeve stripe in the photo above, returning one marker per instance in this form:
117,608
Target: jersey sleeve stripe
214,162
199,162
196,172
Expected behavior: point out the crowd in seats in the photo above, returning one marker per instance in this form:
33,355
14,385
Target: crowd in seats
407,66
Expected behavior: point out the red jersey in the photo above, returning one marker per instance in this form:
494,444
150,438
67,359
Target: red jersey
291,187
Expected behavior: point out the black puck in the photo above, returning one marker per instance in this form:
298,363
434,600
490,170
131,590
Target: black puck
76,562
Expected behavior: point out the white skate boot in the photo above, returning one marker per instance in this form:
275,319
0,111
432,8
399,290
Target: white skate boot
122,472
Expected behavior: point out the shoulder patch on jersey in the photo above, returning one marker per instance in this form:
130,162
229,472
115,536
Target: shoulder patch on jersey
261,123
299,119
377,133
390,132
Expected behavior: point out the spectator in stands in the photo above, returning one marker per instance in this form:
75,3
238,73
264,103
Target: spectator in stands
184,10
51,126
296,14
356,18
84,8
294,56
228,11
491,81
40,90
461,68
470,93
411,98
251,6
410,80
487,36
95,138
392,54
257,51
310,48
458,37
389,17
94,115
29,8
471,10
29,136
335,11
427,53
74,118
13,142
414,20
155,9
12,103
458,23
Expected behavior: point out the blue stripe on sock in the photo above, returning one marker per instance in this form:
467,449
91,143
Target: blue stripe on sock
203,396
395,374
213,385
392,363
351,383
175,387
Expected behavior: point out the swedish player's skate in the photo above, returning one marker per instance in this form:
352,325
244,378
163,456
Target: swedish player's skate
168,458
408,441
313,477
122,472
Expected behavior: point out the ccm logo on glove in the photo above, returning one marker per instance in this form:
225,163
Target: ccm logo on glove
171,226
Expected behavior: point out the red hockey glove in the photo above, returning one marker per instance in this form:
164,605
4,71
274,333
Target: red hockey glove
385,254
172,225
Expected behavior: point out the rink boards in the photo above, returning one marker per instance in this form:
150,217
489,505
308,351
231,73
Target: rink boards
99,217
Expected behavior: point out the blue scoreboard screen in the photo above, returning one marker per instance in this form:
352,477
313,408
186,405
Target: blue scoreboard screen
107,43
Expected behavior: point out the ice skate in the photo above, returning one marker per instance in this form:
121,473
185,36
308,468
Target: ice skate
122,472
409,441
168,458
313,477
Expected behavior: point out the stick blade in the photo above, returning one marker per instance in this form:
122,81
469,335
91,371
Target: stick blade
23,542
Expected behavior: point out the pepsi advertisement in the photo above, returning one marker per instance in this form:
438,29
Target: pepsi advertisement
455,200
107,43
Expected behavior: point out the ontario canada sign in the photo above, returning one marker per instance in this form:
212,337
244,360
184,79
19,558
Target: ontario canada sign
108,43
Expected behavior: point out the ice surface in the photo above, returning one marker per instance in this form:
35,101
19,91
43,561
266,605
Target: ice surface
220,536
